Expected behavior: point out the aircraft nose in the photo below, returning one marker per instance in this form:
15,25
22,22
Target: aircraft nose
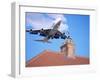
59,22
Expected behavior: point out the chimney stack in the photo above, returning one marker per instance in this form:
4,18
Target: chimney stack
68,48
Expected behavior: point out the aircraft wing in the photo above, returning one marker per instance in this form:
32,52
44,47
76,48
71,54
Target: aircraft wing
42,32
45,33
31,31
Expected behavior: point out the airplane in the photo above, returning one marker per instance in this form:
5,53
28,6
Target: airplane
49,33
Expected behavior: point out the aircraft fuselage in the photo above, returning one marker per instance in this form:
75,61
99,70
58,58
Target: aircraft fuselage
54,30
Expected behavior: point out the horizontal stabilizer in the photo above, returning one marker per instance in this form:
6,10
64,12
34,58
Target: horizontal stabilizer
43,41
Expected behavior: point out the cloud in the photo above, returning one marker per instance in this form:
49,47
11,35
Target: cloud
38,21
55,16
45,21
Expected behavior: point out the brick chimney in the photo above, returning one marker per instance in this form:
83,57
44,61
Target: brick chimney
68,48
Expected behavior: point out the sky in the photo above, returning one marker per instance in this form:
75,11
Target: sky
76,24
